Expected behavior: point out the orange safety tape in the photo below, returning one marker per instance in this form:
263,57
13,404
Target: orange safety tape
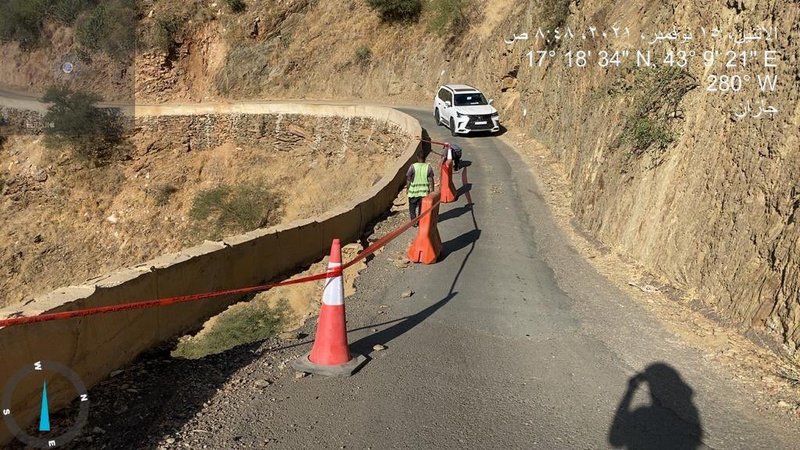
194,297
434,142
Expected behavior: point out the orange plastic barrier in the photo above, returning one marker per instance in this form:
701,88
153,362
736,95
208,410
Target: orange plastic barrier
448,189
427,245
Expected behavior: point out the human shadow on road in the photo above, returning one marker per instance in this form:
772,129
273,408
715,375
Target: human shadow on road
465,188
670,421
456,244
452,213
364,345
468,238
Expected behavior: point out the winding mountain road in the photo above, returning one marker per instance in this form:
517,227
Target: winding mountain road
511,341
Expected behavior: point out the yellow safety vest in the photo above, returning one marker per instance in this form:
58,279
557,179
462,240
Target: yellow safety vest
419,185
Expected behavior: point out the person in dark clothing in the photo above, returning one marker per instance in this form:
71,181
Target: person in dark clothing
454,152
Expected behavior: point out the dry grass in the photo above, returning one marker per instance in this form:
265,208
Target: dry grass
235,209
163,193
240,324
449,17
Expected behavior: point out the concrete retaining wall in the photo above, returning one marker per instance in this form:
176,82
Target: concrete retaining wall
94,346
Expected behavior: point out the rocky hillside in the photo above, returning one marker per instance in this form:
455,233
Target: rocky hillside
183,180
667,163
715,209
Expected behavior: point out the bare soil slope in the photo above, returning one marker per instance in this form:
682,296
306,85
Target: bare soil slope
63,222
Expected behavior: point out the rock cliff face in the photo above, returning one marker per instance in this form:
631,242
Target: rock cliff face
715,211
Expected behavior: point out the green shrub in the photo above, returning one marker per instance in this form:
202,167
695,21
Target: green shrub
169,17
161,35
449,16
163,193
645,133
75,121
209,201
658,92
109,28
397,10
236,5
22,21
241,324
363,56
67,11
243,207
90,30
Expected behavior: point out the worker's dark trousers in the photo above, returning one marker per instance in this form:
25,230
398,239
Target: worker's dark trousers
414,206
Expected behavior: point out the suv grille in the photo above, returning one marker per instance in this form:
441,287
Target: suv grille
480,118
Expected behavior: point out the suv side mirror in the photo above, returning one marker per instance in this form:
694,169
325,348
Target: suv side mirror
491,100
447,103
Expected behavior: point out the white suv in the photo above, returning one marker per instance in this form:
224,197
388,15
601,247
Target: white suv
464,109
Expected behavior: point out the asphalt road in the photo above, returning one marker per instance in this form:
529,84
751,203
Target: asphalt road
511,341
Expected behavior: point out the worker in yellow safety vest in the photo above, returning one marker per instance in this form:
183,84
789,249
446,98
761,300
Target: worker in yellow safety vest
419,180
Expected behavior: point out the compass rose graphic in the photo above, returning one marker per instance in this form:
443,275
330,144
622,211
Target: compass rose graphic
45,370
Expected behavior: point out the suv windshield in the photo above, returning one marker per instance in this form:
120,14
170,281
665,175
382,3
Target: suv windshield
475,98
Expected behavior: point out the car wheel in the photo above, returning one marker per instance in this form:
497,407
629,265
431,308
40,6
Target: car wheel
452,127
437,118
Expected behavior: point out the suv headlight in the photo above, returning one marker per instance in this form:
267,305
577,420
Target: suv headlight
458,114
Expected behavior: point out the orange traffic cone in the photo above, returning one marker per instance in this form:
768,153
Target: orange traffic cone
427,245
330,354
448,188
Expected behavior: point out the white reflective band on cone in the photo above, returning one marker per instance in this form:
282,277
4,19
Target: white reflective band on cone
449,153
334,288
